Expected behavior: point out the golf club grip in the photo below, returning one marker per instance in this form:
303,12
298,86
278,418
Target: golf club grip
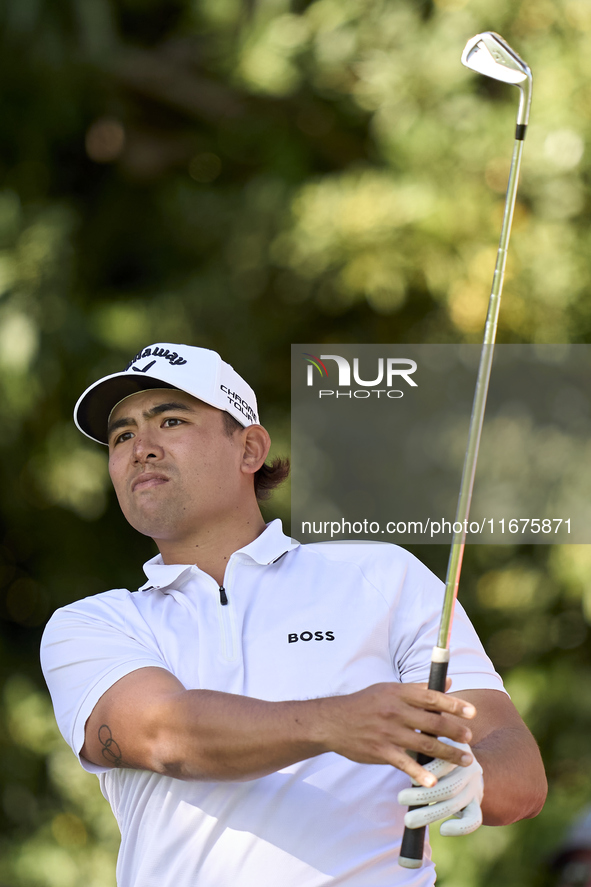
413,839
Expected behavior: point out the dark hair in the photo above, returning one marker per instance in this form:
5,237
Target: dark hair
270,475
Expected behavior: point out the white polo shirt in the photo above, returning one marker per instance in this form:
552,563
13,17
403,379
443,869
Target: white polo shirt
302,621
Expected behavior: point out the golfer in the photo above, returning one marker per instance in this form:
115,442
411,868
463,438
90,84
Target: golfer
250,710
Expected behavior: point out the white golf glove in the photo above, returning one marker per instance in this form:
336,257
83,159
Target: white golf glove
458,793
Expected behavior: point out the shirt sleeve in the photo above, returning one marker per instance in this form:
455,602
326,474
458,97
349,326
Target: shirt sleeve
86,648
414,598
415,630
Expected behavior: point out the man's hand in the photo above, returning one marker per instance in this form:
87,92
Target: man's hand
379,725
458,793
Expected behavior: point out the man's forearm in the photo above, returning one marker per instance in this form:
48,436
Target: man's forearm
229,737
515,783
148,720
212,735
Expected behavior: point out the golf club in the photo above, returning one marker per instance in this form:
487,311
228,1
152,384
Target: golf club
488,54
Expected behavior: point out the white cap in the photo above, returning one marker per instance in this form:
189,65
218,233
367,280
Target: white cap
198,371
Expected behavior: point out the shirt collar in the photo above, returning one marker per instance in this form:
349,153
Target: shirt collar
265,549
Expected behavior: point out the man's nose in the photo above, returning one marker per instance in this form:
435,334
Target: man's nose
146,448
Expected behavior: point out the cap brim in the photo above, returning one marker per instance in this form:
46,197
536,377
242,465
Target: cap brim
94,407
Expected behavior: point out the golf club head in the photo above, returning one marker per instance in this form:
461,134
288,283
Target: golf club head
489,54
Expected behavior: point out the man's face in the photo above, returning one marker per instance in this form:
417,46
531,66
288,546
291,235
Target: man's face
174,468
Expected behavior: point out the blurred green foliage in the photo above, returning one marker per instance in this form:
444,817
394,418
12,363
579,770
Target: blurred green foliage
243,174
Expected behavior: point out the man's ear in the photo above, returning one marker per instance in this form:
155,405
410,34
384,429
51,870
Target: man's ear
256,442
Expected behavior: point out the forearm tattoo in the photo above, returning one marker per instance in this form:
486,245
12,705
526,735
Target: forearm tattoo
111,751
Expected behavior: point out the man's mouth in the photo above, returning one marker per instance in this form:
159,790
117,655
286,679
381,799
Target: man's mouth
147,481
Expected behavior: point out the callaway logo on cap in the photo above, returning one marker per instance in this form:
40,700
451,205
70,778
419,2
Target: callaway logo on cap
198,371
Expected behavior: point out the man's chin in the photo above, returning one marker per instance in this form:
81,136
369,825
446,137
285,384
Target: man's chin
151,523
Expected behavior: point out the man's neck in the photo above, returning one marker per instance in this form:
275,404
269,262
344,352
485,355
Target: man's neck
211,549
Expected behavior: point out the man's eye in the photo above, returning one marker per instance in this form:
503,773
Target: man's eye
171,422
126,435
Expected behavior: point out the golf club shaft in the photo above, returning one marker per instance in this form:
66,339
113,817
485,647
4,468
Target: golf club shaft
479,406
411,850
